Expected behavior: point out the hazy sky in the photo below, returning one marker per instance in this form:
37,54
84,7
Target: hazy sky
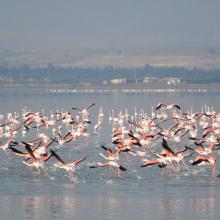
108,24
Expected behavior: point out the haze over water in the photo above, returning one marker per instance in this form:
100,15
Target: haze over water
53,25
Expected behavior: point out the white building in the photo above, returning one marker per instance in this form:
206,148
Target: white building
151,79
172,81
118,81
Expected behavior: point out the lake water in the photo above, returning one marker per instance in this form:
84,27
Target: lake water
98,193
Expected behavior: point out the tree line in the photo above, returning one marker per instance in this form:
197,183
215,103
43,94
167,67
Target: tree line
77,75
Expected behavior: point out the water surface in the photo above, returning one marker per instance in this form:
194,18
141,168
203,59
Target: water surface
100,194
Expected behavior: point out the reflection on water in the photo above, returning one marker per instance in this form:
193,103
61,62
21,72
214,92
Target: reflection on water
111,206
77,207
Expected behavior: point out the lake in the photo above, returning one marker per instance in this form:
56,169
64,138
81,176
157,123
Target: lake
98,193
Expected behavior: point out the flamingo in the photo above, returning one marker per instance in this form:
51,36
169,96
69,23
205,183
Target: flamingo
69,167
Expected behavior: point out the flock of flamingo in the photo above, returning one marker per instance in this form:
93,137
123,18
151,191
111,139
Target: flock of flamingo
167,138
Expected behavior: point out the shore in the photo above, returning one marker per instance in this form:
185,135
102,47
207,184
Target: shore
125,88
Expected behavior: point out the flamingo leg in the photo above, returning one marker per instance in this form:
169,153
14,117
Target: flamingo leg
69,176
126,155
118,172
184,164
39,171
213,171
6,153
48,175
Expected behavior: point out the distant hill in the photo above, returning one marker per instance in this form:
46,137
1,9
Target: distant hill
188,58
100,67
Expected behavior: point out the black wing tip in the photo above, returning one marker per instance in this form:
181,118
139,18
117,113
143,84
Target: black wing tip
106,148
189,148
26,144
91,105
76,109
85,157
196,162
53,152
164,140
122,168
162,165
144,165
116,142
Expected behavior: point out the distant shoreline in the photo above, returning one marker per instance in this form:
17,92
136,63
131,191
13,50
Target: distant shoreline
124,88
